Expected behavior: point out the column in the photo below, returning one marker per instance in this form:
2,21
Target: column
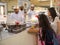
51,3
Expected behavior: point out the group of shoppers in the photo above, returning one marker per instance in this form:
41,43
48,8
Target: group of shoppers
48,28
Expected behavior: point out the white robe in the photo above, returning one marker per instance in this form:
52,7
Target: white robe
17,17
31,14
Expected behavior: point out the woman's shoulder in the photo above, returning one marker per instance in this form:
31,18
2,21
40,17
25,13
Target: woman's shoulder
56,19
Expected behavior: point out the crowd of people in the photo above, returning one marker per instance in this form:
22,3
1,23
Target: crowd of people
48,32
19,14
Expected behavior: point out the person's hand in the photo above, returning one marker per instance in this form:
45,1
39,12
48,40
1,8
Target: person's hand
17,23
36,16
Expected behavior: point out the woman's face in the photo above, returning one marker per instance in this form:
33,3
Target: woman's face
49,13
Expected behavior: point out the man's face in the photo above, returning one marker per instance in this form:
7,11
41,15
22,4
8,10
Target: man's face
32,8
21,8
16,10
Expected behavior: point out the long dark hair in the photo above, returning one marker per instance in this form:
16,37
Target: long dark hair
52,12
44,23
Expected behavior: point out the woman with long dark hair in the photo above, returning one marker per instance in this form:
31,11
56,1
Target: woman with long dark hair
47,31
52,12
53,18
